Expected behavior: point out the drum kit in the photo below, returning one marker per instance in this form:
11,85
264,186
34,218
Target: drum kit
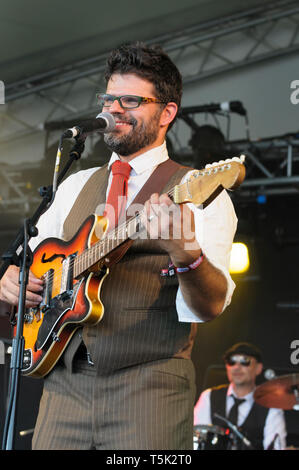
281,392
208,437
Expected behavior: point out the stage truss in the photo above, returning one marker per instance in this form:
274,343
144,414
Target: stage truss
201,52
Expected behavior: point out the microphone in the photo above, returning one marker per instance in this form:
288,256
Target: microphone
227,106
104,122
235,430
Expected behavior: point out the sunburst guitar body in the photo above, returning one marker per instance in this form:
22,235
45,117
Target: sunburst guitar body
67,302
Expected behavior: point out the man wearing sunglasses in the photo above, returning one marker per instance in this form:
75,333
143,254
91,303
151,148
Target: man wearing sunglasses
128,382
264,428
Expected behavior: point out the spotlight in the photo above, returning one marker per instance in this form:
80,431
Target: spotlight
239,259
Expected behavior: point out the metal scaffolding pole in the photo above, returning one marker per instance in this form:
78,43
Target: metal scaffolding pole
182,41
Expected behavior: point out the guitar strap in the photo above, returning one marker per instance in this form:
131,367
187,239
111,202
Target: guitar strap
160,181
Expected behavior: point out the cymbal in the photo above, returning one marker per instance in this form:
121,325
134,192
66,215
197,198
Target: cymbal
282,392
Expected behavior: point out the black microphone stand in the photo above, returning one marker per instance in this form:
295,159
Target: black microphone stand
23,259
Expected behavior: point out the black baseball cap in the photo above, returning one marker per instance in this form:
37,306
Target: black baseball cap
244,348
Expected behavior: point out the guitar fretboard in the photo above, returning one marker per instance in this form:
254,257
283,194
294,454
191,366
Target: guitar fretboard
89,257
197,188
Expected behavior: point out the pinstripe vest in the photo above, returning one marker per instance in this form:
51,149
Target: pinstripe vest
140,322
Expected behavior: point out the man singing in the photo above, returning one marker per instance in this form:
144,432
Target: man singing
128,382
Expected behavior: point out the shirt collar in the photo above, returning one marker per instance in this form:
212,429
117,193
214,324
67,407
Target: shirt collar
231,392
145,161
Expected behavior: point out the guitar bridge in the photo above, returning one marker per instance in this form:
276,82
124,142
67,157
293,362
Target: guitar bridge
59,305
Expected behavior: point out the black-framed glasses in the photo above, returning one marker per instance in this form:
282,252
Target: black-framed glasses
242,360
125,101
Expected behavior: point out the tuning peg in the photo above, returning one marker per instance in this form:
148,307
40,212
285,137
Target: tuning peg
240,159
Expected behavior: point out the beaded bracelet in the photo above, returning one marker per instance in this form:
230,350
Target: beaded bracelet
193,265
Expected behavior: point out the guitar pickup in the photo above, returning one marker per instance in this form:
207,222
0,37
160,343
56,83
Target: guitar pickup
67,273
48,278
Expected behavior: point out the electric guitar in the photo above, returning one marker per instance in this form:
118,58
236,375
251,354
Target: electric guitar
73,272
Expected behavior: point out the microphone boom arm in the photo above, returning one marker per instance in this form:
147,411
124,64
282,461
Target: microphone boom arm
234,428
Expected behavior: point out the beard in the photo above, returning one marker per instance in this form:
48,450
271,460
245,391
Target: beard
140,136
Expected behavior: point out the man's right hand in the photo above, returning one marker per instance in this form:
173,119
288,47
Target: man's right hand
10,288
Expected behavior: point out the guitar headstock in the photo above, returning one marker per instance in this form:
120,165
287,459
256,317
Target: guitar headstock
204,185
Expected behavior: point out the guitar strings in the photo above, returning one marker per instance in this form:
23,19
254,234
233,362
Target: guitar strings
113,236
100,246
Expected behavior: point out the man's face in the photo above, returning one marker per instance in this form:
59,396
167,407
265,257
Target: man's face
137,130
240,374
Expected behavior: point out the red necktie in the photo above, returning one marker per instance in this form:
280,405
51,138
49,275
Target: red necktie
117,197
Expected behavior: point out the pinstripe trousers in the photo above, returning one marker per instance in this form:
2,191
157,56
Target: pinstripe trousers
146,407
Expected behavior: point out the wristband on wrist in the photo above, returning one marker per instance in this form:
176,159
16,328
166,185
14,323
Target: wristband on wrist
191,266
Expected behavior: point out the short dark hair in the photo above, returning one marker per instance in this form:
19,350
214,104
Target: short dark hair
150,63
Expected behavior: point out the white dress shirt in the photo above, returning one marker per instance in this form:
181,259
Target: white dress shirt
215,225
274,425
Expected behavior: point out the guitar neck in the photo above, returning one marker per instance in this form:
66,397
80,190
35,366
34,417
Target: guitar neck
113,239
200,188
